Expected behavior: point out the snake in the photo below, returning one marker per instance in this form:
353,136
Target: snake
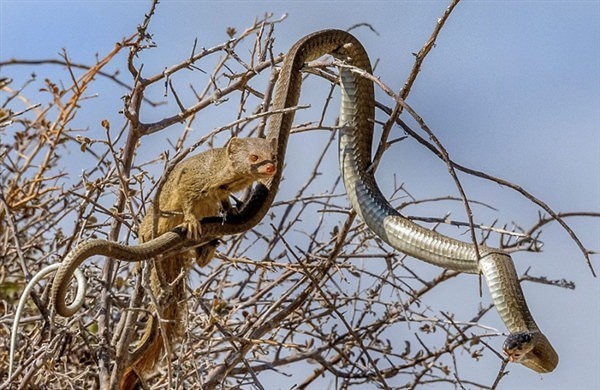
525,344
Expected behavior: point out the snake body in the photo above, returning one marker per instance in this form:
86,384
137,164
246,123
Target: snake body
98,247
526,344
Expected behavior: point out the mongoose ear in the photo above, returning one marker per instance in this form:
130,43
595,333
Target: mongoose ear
273,145
232,145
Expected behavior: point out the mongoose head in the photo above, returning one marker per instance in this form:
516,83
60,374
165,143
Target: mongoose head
252,156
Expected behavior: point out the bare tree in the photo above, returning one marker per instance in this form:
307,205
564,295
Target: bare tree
309,291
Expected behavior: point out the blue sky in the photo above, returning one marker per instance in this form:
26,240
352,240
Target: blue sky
511,88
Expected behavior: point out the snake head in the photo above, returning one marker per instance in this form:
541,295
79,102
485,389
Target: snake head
517,345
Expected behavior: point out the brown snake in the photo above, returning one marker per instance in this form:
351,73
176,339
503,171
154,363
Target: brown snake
526,344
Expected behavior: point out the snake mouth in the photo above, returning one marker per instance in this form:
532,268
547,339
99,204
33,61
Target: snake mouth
513,356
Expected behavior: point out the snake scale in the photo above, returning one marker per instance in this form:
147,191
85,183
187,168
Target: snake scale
526,344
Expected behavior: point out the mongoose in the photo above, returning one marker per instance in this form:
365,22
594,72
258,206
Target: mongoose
198,187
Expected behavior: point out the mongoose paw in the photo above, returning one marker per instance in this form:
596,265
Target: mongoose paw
194,231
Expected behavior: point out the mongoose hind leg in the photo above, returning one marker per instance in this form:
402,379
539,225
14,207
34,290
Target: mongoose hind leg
206,252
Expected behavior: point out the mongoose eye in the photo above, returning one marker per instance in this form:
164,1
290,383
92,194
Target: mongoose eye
253,158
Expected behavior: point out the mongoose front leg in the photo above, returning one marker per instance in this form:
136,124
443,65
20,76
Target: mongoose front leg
190,221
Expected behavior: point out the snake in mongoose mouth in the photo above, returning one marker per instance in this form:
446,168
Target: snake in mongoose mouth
526,344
